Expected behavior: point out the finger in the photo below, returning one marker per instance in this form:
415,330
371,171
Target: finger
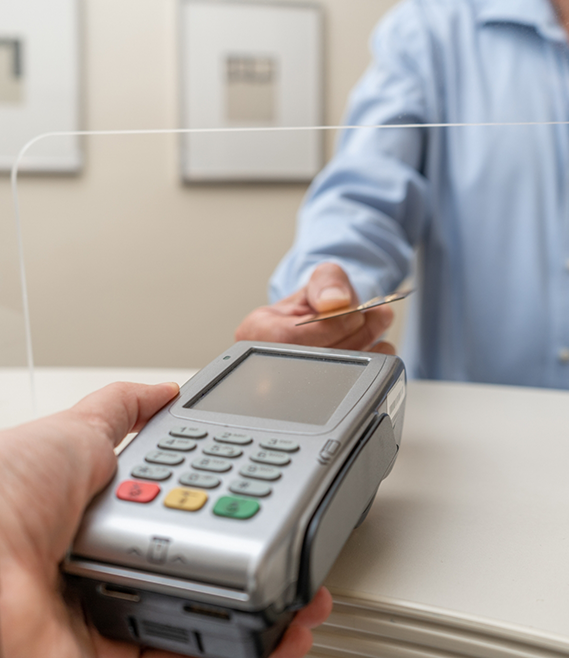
383,347
111,413
329,288
317,611
121,408
296,643
270,324
258,325
375,323
326,333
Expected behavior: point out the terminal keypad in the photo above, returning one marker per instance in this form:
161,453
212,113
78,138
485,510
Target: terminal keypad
257,462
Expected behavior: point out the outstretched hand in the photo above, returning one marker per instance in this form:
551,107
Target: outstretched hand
50,469
328,289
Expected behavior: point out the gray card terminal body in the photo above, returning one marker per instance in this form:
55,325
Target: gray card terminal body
230,507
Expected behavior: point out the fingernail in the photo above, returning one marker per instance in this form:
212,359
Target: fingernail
333,297
334,292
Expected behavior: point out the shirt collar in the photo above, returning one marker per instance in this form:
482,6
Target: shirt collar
539,14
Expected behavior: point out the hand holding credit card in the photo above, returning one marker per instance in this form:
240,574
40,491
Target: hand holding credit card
346,310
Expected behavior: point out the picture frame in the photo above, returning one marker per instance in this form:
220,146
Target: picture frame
253,65
40,84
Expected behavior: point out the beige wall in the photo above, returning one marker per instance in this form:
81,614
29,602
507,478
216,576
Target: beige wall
125,265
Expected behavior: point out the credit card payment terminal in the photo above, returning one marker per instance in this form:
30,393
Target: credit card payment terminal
230,507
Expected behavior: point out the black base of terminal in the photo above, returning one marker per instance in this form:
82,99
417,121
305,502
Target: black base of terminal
178,625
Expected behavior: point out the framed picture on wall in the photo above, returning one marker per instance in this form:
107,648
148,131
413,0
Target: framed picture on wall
39,83
250,65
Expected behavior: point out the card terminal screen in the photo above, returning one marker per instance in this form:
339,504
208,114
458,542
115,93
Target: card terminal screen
282,387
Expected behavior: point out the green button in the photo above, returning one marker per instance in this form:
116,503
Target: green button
236,508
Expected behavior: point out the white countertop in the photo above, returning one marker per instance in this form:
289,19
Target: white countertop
472,526
60,388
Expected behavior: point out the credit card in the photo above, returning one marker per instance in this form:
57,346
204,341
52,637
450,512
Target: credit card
372,303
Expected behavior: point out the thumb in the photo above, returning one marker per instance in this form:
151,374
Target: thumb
329,288
111,413
123,407
53,467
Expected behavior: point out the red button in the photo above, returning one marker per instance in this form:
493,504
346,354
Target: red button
138,492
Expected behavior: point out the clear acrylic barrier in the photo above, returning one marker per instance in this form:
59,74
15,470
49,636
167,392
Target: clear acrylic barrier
15,401
12,332
129,267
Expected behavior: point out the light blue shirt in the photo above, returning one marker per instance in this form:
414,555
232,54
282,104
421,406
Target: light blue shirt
488,207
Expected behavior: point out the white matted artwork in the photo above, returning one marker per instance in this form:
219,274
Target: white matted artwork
39,83
251,65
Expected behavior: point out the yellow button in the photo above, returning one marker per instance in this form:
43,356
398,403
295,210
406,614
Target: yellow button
189,500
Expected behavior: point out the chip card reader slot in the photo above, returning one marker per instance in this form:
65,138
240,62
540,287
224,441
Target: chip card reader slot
346,502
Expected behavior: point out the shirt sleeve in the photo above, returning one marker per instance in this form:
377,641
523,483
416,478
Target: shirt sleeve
368,208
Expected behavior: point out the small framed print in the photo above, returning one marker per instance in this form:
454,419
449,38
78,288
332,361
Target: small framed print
251,65
11,70
39,83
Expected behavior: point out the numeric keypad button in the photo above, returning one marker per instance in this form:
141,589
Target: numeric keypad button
234,438
183,445
259,472
202,480
230,452
147,472
270,457
250,488
189,432
137,492
165,458
212,464
187,500
236,508
284,445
